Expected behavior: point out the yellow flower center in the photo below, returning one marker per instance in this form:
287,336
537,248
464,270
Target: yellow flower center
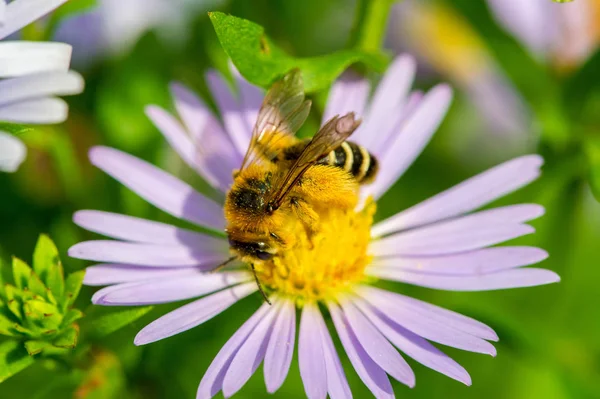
323,262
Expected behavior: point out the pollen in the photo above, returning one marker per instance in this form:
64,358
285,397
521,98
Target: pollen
325,261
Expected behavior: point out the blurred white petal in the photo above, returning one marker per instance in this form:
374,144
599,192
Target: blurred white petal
39,85
39,111
20,13
12,152
18,58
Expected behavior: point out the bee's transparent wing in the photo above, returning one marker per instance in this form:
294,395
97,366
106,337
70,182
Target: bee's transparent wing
329,137
283,111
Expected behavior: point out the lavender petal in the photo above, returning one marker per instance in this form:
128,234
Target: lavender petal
281,347
465,233
146,254
192,314
213,378
158,187
514,278
466,196
375,344
250,355
151,292
480,261
431,322
413,137
413,345
111,273
134,229
369,372
310,354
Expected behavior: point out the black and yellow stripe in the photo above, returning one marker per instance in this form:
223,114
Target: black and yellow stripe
349,156
354,159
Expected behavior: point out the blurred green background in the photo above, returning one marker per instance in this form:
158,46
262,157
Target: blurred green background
549,336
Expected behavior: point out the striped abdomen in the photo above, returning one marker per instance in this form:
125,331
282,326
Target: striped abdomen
349,156
354,159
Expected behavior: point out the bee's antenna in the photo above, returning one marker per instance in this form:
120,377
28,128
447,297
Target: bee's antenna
222,265
260,288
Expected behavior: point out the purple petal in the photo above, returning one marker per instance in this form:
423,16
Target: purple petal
281,347
105,274
481,261
375,344
158,187
337,385
178,139
215,153
432,322
369,372
348,94
233,115
146,254
529,21
193,314
250,354
387,135
389,100
513,278
213,378
466,196
251,98
145,231
310,354
464,233
411,139
173,289
413,345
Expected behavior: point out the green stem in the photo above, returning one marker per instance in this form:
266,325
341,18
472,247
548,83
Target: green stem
370,24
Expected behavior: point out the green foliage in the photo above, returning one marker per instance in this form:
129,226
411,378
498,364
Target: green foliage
13,358
104,320
593,156
14,128
261,62
35,310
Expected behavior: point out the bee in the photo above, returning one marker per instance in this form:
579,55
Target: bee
285,182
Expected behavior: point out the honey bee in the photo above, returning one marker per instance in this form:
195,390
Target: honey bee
283,181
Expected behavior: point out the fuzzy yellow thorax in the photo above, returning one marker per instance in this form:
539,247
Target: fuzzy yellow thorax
324,262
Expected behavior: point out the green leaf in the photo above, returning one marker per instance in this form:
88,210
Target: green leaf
21,273
593,155
34,347
72,287
13,358
71,316
13,128
262,62
47,265
103,320
68,339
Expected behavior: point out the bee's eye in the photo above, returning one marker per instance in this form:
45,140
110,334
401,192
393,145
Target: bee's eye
262,255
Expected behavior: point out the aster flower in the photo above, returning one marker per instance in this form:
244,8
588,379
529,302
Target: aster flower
31,74
442,243
444,40
565,34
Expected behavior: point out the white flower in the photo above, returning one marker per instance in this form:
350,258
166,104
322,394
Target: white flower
31,74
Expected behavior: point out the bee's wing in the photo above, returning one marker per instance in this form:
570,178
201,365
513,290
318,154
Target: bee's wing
282,113
328,138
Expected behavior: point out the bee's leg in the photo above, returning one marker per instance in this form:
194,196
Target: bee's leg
222,265
260,288
307,216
